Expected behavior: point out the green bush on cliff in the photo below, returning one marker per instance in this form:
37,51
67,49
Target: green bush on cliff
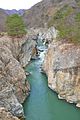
15,25
67,21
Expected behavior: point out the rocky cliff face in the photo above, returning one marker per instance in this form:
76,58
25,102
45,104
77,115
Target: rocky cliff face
62,65
42,34
5,115
27,52
14,87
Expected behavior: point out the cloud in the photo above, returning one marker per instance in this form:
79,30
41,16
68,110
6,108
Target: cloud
17,4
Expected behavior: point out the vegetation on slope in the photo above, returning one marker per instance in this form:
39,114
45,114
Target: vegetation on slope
15,25
67,21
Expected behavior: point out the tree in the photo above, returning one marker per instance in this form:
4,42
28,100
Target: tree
15,26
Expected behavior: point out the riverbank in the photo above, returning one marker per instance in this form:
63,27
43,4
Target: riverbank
15,53
43,103
61,65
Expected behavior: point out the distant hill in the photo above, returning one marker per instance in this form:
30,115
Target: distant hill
14,11
39,15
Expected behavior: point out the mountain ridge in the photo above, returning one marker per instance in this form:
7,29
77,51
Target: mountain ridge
38,15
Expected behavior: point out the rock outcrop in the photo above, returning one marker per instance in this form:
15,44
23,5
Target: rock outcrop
62,65
5,115
14,87
47,35
42,34
28,51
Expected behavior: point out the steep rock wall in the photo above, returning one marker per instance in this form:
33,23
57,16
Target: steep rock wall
62,65
14,87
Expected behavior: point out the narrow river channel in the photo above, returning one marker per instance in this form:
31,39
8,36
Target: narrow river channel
43,103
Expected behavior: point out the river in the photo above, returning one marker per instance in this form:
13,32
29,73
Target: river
43,103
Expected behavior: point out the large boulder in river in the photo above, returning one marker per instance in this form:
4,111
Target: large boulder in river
62,65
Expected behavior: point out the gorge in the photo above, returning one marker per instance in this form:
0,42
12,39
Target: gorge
43,103
40,69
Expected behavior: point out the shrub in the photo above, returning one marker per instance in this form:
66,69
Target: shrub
77,17
15,25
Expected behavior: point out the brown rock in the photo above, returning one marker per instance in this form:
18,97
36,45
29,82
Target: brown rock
62,65
5,115
13,86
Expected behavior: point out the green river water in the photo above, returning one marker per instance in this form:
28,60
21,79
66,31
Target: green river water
43,103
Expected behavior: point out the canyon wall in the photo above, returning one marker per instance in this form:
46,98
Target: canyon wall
62,66
14,87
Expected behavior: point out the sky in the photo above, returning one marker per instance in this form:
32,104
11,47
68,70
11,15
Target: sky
17,4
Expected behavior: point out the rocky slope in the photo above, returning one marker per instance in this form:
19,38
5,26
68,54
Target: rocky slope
14,86
5,115
62,65
3,17
39,14
67,21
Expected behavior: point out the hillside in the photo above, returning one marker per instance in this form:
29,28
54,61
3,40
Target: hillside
67,21
5,13
3,16
40,13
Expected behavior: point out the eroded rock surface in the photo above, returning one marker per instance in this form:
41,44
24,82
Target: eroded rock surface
5,115
27,52
14,87
45,34
62,65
